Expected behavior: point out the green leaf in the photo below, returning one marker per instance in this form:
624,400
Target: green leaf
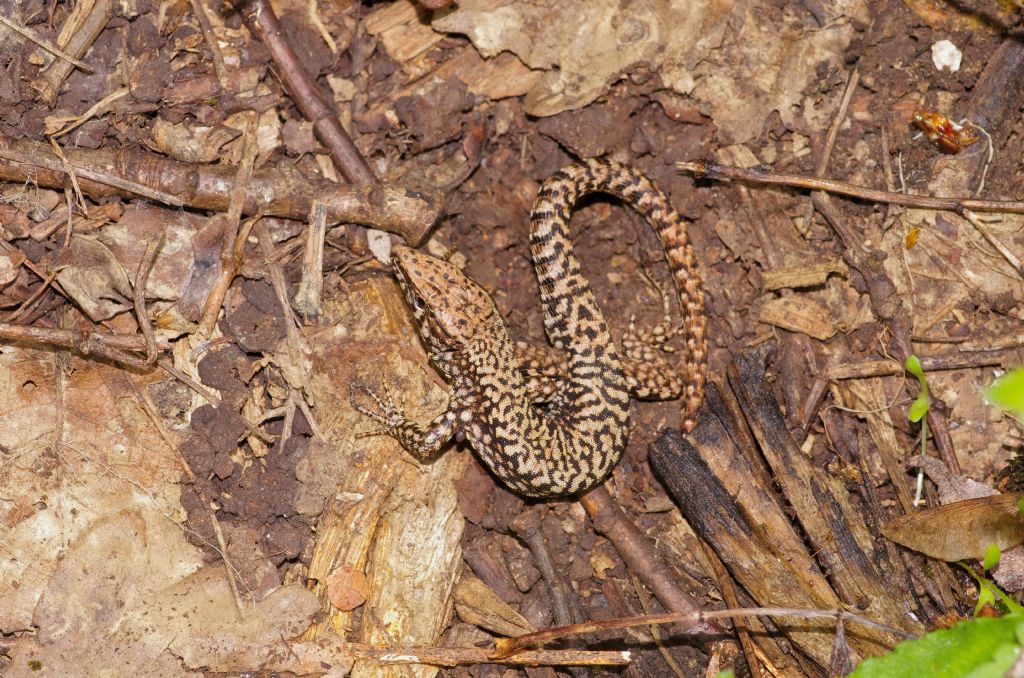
919,407
988,592
1007,392
986,596
991,559
979,648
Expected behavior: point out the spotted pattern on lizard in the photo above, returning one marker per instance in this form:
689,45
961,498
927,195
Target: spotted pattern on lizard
570,442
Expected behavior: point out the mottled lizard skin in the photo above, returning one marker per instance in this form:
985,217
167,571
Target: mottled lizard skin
571,440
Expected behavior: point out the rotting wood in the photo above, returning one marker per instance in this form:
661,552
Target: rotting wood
390,518
743,521
405,212
77,36
716,490
832,523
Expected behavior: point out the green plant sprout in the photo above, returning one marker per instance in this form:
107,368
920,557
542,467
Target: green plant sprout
916,413
983,647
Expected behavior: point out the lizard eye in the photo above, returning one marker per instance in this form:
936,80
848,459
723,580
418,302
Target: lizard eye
420,304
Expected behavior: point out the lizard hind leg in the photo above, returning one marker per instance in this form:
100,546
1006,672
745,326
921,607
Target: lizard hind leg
650,374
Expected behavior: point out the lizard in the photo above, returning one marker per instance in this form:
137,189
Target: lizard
564,440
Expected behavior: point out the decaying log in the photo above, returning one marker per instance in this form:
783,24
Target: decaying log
723,494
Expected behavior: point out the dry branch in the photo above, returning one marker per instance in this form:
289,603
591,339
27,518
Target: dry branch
402,211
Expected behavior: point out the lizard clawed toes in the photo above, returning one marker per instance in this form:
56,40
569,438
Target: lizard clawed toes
387,414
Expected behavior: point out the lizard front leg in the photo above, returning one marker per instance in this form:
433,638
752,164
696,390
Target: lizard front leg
421,442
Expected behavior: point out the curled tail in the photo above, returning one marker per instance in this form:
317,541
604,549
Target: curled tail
563,286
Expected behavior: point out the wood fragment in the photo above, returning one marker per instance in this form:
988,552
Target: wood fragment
311,287
794,277
798,314
77,35
477,603
743,521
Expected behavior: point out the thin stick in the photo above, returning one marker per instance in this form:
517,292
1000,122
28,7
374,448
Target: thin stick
506,647
228,567
154,417
47,45
992,240
139,297
74,122
830,139
955,361
703,169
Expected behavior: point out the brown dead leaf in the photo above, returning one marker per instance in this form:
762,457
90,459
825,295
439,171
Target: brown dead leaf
199,143
127,600
93,278
961,530
704,49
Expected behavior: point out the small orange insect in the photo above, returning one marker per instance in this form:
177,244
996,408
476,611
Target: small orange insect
912,235
948,136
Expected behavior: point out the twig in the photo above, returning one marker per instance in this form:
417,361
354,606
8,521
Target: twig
36,294
229,569
89,173
639,555
199,11
263,23
527,527
950,361
506,647
139,297
233,240
728,589
154,416
74,122
108,172
208,395
313,656
830,141
1010,257
645,603
710,170
86,343
46,44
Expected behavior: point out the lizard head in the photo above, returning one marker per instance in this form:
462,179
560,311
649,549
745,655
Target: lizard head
449,307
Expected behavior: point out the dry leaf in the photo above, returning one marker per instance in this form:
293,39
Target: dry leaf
93,278
961,530
703,48
127,599
199,143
